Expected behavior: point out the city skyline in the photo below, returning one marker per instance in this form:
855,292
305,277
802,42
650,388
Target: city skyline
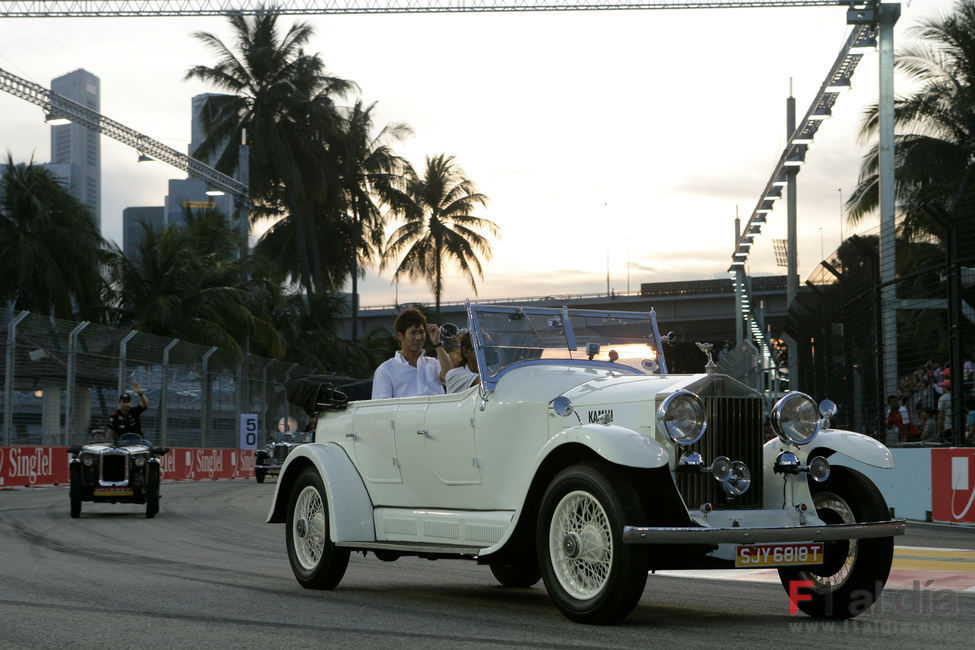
609,143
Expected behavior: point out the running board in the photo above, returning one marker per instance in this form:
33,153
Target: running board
703,535
411,548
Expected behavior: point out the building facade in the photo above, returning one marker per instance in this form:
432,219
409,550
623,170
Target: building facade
77,146
133,229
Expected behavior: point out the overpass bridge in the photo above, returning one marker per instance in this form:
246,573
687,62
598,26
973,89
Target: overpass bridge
698,310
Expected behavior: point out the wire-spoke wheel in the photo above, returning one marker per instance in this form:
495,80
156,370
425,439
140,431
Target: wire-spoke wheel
854,571
581,544
315,561
590,574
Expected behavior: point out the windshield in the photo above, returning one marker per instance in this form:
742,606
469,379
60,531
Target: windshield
507,336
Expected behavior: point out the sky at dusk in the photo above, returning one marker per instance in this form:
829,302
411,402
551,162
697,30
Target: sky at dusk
619,141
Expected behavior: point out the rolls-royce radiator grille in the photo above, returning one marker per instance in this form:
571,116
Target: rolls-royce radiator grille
735,429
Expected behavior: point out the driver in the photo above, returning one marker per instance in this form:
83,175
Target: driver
127,418
410,372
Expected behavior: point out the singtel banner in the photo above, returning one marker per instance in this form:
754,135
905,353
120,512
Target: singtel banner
26,466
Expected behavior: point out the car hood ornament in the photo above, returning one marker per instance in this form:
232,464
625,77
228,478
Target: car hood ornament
710,367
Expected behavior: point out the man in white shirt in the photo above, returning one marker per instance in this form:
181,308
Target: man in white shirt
464,375
411,372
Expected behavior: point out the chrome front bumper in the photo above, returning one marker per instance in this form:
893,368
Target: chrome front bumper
703,535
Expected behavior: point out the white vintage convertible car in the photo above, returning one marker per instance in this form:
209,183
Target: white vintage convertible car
587,473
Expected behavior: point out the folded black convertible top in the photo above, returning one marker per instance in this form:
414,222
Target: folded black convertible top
314,393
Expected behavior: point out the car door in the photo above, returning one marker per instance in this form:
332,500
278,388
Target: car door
374,442
449,444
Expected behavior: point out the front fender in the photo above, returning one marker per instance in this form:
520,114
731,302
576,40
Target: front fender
350,517
616,444
857,446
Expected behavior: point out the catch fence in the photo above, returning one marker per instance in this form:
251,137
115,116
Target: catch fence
865,333
60,379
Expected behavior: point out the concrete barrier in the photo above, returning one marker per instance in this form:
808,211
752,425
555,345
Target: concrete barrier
929,484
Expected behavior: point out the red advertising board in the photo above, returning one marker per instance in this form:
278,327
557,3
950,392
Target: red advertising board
953,485
190,464
25,466
21,466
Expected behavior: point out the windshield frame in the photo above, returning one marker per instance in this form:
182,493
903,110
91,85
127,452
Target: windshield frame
489,382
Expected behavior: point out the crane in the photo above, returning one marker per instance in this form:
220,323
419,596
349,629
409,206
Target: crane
59,106
135,8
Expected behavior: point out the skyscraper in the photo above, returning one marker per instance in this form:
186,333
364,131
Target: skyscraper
77,146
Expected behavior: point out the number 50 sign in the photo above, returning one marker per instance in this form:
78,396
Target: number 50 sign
248,430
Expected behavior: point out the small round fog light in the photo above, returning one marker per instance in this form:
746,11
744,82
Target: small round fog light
88,460
721,468
819,469
739,481
140,461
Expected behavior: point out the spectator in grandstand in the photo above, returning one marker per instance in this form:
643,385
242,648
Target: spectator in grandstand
968,376
944,410
895,426
925,398
969,421
929,425
909,430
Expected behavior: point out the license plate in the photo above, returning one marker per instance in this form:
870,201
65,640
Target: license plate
763,555
113,492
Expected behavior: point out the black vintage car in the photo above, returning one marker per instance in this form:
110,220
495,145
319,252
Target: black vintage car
268,461
106,471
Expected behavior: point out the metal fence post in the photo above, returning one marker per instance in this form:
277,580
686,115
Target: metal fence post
8,379
164,394
887,14
264,388
72,367
205,396
287,377
123,354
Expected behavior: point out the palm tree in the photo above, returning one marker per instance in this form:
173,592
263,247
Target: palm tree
439,226
188,284
368,169
50,251
283,100
935,146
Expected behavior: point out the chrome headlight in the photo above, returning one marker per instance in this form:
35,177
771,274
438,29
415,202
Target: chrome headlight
139,461
88,460
795,418
682,417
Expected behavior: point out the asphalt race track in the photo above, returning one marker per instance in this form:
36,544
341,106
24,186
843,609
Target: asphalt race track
207,572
